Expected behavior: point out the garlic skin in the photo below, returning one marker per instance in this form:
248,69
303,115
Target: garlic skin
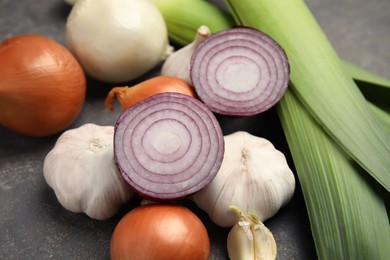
254,176
249,238
117,40
178,64
82,172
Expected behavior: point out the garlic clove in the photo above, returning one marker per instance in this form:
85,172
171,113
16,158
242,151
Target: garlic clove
179,62
240,242
254,175
82,172
249,238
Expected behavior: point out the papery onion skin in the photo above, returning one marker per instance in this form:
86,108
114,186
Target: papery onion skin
239,71
160,232
42,86
168,146
129,96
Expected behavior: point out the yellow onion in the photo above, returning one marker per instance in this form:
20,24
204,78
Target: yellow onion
160,232
129,96
42,86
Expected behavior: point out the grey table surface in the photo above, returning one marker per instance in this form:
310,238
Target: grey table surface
32,223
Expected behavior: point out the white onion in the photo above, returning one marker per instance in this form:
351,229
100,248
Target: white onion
117,40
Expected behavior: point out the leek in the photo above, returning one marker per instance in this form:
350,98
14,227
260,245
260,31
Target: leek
184,17
320,82
347,214
382,115
374,88
348,217
362,75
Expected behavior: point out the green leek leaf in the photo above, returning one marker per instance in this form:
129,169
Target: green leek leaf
347,214
320,82
189,15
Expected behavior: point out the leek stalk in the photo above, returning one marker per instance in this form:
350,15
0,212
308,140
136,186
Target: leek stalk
362,75
374,88
320,82
183,18
347,214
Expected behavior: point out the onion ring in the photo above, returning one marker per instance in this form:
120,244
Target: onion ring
168,146
239,72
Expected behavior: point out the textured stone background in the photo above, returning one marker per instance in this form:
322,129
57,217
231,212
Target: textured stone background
34,226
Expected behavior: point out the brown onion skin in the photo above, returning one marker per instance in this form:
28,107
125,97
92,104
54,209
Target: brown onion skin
42,86
129,96
160,232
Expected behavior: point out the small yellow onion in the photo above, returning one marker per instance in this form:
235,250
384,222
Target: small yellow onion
129,96
160,232
42,86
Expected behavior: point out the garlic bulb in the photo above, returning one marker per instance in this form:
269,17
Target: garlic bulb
178,64
82,172
249,238
254,176
117,40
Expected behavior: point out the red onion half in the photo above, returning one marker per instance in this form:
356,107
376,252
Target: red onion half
168,146
239,71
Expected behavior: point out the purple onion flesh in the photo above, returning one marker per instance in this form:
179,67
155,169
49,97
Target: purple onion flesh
168,146
239,72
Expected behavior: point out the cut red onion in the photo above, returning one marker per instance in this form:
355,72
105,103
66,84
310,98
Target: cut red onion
168,146
239,71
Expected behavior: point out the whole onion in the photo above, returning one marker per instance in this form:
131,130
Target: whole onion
117,40
160,232
42,86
